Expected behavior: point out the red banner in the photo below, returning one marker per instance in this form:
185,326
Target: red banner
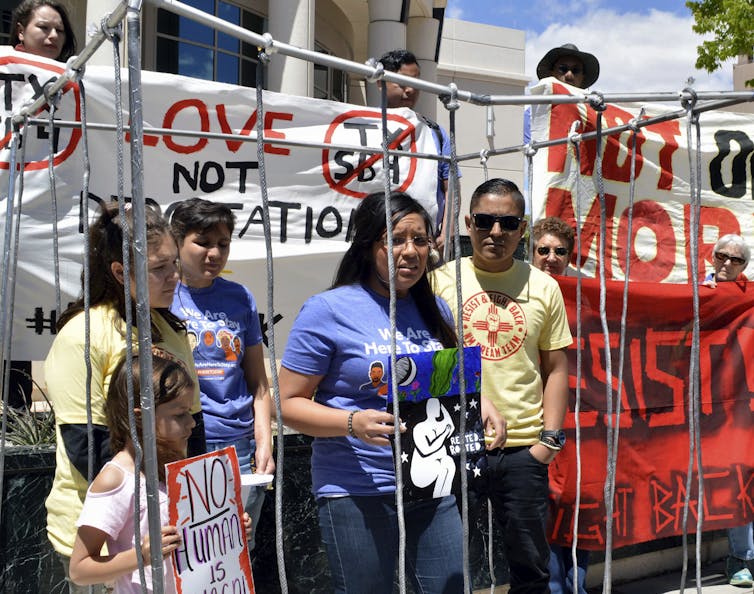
653,427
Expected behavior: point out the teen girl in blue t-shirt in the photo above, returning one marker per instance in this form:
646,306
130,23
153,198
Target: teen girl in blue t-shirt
223,327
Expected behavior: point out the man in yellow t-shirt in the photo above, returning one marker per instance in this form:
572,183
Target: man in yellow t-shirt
516,314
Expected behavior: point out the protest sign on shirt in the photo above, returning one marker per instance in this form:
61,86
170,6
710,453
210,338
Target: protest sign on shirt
430,407
205,504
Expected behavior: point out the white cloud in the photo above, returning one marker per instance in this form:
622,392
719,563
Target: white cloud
454,12
637,52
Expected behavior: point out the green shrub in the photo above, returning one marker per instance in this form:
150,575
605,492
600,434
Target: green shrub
27,428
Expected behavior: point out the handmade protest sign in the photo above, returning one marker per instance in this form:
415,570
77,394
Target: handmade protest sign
567,182
430,406
204,503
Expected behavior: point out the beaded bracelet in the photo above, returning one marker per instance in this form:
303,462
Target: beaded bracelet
350,424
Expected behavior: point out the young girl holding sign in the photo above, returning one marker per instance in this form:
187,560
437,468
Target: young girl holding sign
108,513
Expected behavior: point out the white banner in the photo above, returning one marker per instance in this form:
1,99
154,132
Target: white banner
312,191
660,240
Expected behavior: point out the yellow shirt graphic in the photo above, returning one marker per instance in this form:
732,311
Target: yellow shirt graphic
511,316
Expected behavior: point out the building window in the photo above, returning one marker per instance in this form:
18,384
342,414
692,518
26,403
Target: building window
192,49
6,16
329,83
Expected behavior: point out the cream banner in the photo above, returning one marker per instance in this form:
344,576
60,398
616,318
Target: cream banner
660,238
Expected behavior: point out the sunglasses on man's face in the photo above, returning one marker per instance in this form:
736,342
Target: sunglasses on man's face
565,68
543,250
722,257
485,222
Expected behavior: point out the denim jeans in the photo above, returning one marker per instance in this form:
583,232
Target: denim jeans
517,487
245,450
740,542
361,538
561,570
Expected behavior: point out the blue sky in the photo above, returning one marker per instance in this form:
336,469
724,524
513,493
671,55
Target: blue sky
641,45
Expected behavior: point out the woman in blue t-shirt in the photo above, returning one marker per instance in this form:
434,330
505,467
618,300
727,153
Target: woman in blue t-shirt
338,351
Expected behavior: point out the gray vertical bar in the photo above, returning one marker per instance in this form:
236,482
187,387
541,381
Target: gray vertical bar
133,22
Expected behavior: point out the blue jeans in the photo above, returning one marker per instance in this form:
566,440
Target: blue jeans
561,570
517,487
245,450
361,538
740,542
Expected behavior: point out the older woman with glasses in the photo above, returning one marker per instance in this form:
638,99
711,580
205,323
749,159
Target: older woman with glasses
730,256
553,245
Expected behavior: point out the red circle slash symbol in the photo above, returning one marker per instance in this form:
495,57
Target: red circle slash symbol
24,79
350,172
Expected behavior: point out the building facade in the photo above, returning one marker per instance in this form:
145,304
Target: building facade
478,58
743,70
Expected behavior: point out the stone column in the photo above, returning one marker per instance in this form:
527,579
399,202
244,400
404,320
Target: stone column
387,31
292,21
94,13
421,39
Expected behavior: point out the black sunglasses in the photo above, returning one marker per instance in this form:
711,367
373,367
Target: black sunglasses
565,68
722,257
485,222
543,250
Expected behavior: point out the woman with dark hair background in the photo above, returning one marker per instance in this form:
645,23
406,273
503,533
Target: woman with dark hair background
42,28
332,349
553,245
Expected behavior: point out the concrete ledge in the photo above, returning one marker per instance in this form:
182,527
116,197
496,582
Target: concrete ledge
655,563
645,565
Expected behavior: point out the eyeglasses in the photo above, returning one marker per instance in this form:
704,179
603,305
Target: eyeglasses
399,242
485,222
565,68
722,257
543,250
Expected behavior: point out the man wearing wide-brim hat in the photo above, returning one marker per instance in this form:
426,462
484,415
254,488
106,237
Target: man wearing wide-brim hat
569,65
579,69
